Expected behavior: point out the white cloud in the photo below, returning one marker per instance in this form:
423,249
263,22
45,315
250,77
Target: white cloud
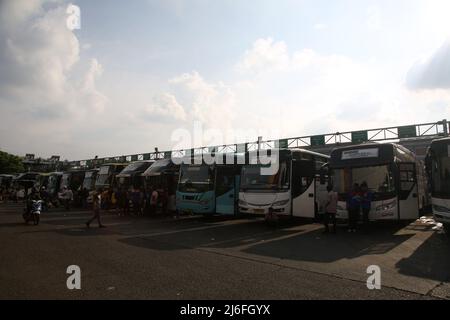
374,18
432,72
316,93
320,26
39,86
265,55
89,94
165,107
37,56
210,103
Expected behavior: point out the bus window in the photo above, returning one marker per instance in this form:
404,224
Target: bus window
407,176
378,178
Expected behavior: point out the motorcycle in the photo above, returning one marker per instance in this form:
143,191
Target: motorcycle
33,212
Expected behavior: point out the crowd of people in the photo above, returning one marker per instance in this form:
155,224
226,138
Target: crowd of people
126,202
12,194
147,201
134,201
358,201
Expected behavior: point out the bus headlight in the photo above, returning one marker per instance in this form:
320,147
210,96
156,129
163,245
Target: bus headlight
386,206
243,203
280,203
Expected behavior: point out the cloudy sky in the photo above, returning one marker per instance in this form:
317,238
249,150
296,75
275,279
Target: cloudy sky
138,73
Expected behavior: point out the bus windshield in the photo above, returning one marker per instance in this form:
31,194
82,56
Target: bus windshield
52,183
135,166
196,178
88,180
252,179
379,179
103,175
65,180
441,176
157,167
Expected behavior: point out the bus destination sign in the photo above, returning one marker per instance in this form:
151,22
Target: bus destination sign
360,153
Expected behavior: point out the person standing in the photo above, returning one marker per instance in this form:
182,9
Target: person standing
96,205
84,194
164,199
66,197
154,201
69,198
121,195
366,202
353,207
136,201
330,209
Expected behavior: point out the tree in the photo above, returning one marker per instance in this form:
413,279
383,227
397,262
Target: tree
10,163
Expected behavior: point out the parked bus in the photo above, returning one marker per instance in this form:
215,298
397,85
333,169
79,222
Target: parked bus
164,174
73,179
26,180
54,185
6,180
394,176
106,177
296,189
41,181
89,179
131,175
438,168
209,188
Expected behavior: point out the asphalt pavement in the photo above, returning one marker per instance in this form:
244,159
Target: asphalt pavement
216,258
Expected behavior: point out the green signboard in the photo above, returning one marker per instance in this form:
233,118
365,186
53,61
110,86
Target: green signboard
283,144
134,157
407,132
318,140
359,136
146,156
167,154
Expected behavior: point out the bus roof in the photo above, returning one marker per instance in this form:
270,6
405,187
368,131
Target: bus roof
135,167
442,141
440,145
114,164
160,166
56,173
7,175
369,154
224,156
75,170
290,151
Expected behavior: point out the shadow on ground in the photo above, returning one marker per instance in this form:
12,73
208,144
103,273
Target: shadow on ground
430,260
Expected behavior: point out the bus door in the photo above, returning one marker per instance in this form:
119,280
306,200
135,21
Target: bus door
303,193
408,201
225,190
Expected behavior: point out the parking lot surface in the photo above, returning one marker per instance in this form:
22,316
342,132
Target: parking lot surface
198,257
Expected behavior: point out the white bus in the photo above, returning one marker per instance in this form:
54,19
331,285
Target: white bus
438,167
295,190
394,176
